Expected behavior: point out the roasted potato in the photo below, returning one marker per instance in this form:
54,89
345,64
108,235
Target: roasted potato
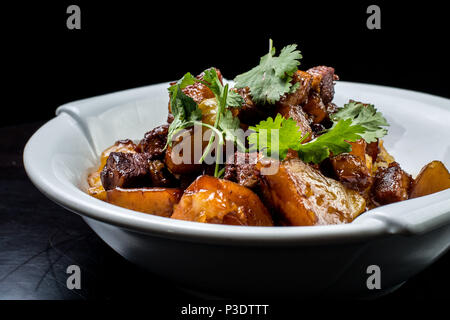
433,177
95,184
157,201
212,200
303,196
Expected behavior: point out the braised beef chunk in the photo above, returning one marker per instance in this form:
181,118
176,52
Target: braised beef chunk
125,170
323,82
242,169
250,113
198,91
331,107
170,118
391,184
159,175
315,108
317,129
297,114
372,150
352,171
154,142
300,95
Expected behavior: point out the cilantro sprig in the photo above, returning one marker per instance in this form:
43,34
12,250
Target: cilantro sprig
333,141
289,137
272,77
187,113
365,115
184,109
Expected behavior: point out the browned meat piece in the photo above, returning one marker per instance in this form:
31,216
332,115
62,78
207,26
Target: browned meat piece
250,113
154,142
301,94
95,183
297,113
317,129
391,184
315,108
199,91
242,169
323,82
372,150
331,107
352,172
125,170
302,196
159,174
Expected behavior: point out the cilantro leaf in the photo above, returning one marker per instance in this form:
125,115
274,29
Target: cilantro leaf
289,136
365,115
272,77
334,140
184,109
211,80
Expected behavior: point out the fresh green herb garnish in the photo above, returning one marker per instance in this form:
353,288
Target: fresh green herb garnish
272,77
184,109
365,115
334,140
187,113
289,137
211,80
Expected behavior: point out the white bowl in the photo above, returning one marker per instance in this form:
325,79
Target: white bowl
401,238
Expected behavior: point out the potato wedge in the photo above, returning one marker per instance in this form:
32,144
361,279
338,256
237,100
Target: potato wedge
212,200
434,177
157,201
303,196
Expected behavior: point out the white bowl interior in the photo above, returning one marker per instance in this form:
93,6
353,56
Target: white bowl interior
72,143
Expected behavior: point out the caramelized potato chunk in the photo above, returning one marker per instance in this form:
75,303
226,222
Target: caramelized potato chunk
434,177
303,196
157,201
212,200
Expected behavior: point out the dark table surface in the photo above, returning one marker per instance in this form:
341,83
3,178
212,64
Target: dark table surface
39,240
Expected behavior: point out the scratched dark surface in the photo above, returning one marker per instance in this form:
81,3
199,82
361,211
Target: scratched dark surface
39,239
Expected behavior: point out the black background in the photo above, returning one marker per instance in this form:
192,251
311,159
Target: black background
128,44
124,45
